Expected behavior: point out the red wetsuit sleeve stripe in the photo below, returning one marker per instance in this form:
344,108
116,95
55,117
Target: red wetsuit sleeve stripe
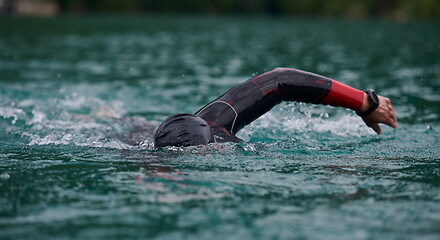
342,95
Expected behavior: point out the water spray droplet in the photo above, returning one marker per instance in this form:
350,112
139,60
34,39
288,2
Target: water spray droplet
5,176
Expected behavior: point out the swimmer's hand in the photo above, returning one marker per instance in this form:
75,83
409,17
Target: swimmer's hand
384,113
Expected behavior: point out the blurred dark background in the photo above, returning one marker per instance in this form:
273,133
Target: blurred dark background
399,10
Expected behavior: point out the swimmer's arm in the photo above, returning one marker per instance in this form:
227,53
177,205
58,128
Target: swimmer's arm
246,102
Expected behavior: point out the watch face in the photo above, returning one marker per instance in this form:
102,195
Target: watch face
374,97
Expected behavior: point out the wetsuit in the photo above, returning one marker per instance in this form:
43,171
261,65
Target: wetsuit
244,103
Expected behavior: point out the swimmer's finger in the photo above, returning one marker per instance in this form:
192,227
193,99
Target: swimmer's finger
392,117
390,122
394,121
393,114
376,128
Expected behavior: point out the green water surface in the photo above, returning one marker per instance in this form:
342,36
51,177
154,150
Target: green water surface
70,87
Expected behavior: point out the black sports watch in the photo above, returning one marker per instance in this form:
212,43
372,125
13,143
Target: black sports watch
374,103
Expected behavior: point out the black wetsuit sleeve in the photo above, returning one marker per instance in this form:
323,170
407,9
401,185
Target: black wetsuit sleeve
248,101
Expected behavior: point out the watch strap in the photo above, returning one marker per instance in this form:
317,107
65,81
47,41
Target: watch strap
373,103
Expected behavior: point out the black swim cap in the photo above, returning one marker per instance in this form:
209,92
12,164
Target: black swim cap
183,129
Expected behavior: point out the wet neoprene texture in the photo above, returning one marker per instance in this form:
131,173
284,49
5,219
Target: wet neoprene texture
246,102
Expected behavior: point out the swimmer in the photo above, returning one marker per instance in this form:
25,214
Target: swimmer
223,118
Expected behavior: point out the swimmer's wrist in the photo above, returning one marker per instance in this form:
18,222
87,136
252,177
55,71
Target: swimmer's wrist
370,103
365,104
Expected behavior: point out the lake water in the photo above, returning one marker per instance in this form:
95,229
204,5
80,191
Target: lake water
72,89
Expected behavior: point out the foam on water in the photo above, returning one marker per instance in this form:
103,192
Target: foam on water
11,112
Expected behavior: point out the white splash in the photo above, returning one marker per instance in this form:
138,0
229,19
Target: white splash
11,112
305,120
